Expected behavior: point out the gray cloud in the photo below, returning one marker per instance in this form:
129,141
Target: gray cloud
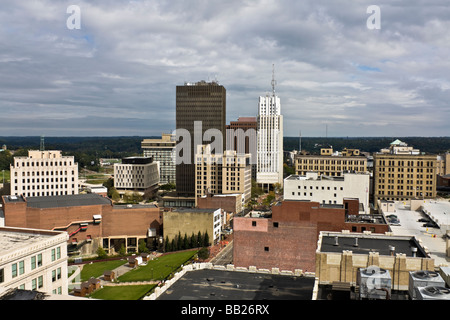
117,74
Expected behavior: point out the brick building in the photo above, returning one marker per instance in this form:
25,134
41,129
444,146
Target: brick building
288,239
90,220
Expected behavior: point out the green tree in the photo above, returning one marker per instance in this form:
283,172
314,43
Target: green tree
203,253
101,253
167,245
142,246
206,239
122,250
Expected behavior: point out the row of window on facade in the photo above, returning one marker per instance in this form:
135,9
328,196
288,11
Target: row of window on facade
41,164
35,261
43,173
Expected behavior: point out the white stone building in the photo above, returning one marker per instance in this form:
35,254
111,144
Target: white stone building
33,259
270,141
44,173
136,174
329,190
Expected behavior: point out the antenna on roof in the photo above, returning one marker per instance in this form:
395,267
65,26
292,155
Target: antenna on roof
274,82
42,148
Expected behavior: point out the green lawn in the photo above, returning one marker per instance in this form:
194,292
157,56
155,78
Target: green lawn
96,269
122,292
159,268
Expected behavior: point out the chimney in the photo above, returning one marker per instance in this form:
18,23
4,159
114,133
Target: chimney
356,242
336,243
414,251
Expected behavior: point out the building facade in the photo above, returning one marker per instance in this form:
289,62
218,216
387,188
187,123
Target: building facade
269,169
329,190
288,239
401,177
44,173
163,152
32,259
200,116
136,174
329,165
226,173
90,220
192,221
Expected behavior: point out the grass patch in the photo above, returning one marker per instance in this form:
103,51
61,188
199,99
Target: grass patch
159,268
122,292
96,269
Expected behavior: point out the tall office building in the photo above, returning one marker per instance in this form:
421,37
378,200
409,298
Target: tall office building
270,140
200,109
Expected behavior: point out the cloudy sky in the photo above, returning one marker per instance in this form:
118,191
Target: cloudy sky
117,74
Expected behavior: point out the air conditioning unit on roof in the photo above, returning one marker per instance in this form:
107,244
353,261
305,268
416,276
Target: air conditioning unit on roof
433,293
374,283
423,278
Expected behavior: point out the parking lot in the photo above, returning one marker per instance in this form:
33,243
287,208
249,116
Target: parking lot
432,238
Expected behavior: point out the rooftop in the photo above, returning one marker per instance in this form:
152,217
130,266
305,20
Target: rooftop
17,238
210,284
90,199
361,243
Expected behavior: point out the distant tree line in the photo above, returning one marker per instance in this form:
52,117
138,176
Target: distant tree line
186,242
433,145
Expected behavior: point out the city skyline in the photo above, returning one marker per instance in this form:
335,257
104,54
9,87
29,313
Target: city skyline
117,74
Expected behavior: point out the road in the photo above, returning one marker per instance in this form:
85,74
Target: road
225,256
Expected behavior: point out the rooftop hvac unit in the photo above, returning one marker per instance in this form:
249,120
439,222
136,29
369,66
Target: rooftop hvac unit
374,283
423,279
433,293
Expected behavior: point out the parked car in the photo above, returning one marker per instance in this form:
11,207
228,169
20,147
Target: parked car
423,220
391,216
430,225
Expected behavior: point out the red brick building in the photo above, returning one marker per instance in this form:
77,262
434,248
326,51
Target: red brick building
288,239
87,218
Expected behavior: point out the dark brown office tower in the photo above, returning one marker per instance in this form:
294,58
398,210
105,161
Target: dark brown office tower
204,103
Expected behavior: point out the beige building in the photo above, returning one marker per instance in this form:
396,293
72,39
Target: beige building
401,177
33,259
340,257
330,165
44,173
226,173
136,174
163,152
192,221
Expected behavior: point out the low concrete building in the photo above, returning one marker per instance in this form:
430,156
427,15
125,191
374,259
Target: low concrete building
32,259
340,256
139,174
329,189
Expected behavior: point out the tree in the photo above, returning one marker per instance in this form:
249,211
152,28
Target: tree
101,253
142,246
185,242
167,245
206,240
203,253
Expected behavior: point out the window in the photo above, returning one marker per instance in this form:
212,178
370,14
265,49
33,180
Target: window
21,267
14,270
266,249
253,223
2,275
275,224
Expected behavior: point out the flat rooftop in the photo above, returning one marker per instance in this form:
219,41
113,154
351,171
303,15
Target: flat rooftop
360,243
75,200
15,238
209,284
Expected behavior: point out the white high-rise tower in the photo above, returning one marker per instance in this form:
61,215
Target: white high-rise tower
270,140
